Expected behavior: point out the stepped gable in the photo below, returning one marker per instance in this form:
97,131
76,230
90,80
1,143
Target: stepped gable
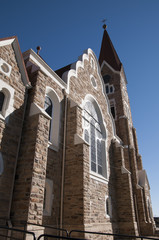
108,53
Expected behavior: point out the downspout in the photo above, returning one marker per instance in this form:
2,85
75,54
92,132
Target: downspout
63,158
14,173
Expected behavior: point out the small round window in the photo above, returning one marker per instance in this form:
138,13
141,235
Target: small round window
93,81
5,68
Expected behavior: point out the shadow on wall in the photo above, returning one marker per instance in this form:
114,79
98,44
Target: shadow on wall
10,139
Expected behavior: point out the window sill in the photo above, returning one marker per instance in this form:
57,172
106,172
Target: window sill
98,177
51,146
1,116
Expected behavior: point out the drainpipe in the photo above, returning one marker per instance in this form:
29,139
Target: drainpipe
13,181
63,158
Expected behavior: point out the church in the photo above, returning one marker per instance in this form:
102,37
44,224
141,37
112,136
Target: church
69,155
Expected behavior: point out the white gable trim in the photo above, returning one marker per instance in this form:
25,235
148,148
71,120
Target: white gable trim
107,64
44,67
19,58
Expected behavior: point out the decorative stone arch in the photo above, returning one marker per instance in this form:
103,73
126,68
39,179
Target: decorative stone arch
55,118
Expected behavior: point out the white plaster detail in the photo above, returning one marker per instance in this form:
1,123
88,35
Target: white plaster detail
35,109
138,186
108,206
78,139
98,177
5,67
48,197
124,170
7,108
93,81
73,73
44,67
73,103
142,178
14,42
1,164
107,64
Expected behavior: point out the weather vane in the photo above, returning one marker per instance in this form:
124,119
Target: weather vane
104,25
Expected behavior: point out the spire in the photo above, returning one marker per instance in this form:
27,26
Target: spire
108,53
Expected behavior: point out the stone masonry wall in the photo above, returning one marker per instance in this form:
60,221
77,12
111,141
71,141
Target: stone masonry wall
10,130
84,198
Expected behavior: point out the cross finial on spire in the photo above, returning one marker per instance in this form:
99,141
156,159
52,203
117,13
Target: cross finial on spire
104,25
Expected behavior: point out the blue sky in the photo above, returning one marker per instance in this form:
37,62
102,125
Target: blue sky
65,28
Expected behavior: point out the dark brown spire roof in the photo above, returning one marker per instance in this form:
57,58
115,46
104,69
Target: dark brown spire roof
108,53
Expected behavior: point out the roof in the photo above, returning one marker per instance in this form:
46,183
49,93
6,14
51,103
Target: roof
108,53
60,71
14,41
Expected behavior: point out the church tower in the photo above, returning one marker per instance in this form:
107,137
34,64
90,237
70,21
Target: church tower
139,214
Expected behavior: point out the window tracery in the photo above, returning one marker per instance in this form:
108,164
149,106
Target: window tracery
94,136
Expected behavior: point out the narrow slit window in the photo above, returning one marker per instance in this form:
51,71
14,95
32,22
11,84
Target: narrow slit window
49,109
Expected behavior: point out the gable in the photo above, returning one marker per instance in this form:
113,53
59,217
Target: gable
8,48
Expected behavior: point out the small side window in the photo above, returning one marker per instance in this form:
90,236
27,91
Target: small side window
108,206
48,197
112,108
107,89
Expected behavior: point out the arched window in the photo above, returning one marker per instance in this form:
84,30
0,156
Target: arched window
95,136
52,108
6,100
48,106
2,97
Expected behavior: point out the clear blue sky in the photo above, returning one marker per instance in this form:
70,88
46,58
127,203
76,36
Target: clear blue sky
65,28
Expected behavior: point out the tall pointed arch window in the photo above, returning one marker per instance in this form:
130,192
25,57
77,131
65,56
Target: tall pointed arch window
94,134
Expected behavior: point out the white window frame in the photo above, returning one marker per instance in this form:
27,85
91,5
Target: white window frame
95,175
7,107
113,104
48,197
2,62
93,81
109,206
55,120
109,86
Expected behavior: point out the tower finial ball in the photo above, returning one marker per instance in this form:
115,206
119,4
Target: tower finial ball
104,26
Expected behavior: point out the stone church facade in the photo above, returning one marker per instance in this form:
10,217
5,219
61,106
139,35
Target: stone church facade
69,156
